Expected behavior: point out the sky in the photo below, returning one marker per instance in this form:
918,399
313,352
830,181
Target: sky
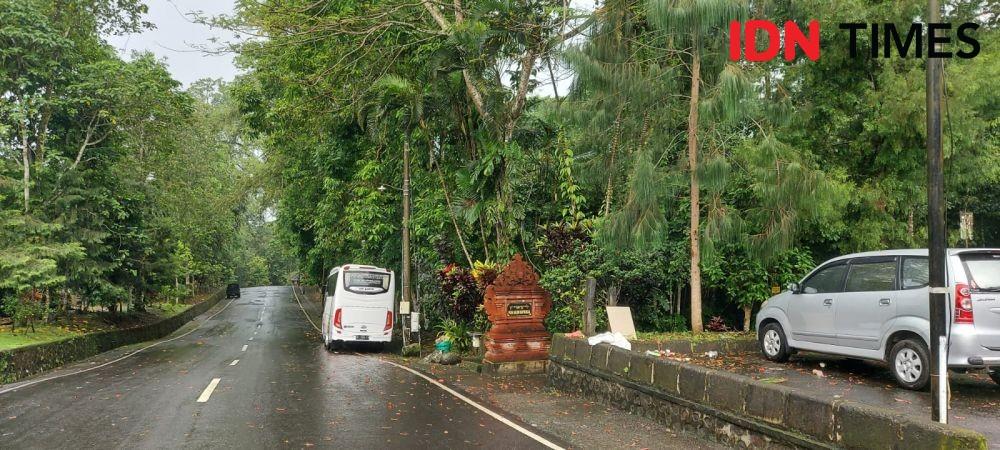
179,41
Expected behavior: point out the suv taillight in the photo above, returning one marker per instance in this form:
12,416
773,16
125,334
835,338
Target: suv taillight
388,321
963,303
338,319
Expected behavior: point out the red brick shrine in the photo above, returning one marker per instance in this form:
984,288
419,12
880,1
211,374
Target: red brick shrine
517,306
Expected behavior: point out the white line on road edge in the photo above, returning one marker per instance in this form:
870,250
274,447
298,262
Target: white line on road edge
451,391
244,348
32,383
208,390
235,362
482,408
304,310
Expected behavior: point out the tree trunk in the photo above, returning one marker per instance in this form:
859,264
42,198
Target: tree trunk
406,222
747,315
613,292
615,139
451,213
26,161
696,324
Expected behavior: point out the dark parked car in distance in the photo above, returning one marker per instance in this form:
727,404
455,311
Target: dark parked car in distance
233,290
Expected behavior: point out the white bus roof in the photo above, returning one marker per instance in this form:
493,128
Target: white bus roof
358,267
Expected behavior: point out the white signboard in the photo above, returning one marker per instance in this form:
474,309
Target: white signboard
620,321
414,322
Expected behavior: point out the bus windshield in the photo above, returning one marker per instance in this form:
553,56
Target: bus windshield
363,282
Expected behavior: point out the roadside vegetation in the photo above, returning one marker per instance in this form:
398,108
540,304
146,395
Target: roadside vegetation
63,326
122,193
688,185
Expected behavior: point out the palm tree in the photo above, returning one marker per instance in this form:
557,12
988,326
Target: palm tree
394,103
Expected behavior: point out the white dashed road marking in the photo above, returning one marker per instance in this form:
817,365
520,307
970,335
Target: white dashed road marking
208,390
235,362
244,348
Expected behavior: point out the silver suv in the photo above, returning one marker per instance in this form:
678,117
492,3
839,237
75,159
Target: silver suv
874,306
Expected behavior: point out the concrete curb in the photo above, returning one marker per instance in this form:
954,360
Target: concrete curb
768,411
22,362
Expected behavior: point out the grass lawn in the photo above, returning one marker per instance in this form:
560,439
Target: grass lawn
708,336
168,309
83,324
43,333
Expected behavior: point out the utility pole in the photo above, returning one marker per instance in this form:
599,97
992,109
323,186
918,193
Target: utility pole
406,225
938,301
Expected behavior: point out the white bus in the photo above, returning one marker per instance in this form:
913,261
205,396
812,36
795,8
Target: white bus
358,305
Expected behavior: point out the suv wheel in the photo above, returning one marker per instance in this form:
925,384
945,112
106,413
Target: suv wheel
773,344
994,373
910,362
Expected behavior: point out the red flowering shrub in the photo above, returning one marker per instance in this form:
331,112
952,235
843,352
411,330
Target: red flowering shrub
717,324
460,290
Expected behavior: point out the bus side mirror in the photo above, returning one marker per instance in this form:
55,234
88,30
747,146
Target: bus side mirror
794,287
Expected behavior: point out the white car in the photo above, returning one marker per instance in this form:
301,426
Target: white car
874,306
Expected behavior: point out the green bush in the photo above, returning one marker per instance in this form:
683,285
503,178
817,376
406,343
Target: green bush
456,332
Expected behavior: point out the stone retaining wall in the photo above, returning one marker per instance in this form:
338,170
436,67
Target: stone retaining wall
724,347
22,362
737,410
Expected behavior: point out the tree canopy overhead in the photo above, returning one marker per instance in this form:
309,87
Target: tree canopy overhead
660,148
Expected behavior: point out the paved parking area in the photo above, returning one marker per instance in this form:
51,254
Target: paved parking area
975,402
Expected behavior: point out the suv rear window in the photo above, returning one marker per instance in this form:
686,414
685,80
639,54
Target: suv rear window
363,282
983,270
916,272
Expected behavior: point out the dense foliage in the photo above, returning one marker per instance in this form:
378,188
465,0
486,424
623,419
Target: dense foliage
117,186
666,172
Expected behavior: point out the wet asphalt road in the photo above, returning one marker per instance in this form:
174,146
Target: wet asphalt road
286,391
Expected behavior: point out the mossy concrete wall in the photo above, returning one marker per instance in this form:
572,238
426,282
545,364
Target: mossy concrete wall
736,410
22,362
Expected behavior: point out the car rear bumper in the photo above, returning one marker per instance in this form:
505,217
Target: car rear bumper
964,349
351,337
